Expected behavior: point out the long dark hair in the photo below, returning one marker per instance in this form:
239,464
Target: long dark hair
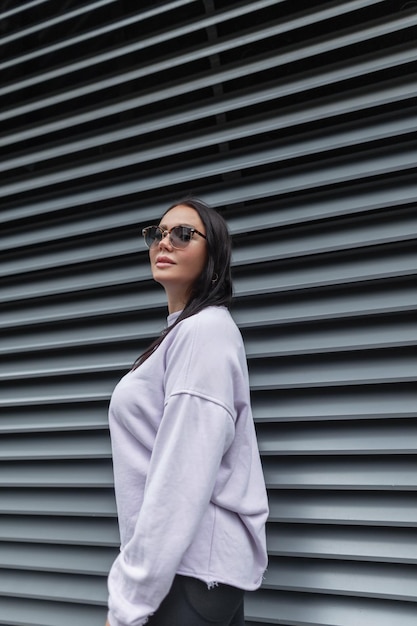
214,285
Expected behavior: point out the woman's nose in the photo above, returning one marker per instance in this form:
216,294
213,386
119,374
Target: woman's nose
165,241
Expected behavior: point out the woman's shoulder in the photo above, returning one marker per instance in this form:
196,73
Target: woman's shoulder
213,324
211,317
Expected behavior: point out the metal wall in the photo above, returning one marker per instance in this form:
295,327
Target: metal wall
298,121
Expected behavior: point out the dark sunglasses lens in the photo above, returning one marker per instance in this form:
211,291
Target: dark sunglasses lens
181,236
152,235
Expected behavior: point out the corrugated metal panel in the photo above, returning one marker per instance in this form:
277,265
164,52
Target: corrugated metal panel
298,121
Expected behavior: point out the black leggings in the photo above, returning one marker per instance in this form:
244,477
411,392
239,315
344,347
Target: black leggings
191,603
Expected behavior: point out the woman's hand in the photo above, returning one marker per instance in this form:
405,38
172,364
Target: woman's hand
107,623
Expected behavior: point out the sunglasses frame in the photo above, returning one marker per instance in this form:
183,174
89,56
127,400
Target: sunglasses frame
164,232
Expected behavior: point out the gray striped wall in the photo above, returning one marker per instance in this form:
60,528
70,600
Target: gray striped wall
297,120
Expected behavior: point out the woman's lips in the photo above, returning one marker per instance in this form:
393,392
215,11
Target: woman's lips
164,261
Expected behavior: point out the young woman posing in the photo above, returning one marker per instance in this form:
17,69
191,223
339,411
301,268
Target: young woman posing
190,491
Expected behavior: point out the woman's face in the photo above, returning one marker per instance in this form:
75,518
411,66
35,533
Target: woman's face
178,269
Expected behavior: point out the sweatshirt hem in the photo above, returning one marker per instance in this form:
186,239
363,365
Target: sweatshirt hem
113,621
212,580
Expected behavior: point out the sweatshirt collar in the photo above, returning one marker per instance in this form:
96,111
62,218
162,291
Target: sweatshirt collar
173,317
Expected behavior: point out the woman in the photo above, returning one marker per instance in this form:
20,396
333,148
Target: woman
190,492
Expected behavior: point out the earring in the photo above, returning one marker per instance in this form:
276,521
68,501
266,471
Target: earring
214,279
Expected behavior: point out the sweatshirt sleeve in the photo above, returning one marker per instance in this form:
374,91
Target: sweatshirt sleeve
195,431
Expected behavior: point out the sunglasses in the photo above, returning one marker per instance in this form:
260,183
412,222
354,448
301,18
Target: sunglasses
179,236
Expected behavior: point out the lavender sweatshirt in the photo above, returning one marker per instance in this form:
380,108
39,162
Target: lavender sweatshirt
189,486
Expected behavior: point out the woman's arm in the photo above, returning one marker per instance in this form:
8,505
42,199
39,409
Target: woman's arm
190,444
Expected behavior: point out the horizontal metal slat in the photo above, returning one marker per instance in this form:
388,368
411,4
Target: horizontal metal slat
54,419
374,580
61,390
323,272
334,370
57,558
362,333
23,7
61,474
351,202
66,372
69,338
49,258
378,298
95,307
376,544
68,502
57,400
68,278
359,508
44,613
328,237
342,438
53,587
341,473
377,402
58,364
94,531
301,608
